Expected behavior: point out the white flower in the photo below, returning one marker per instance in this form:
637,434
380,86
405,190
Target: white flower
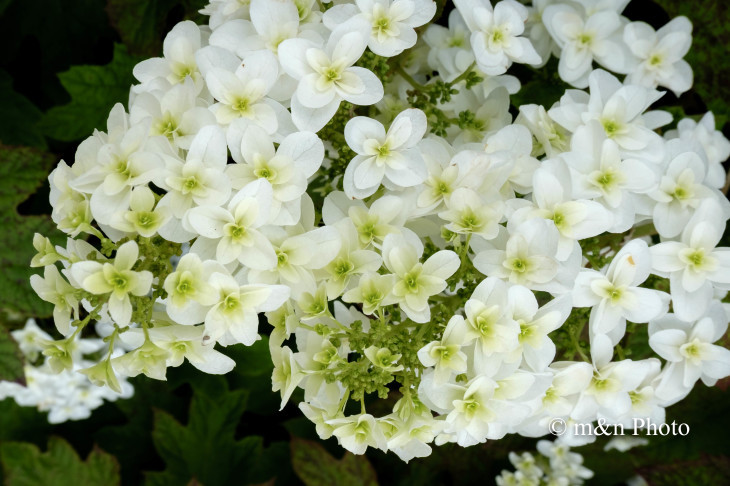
186,342
660,54
116,279
392,21
442,179
415,281
585,38
298,255
287,373
714,143
693,264
176,113
233,233
450,52
537,349
383,358
390,155
552,199
608,393
620,110
681,190
358,432
189,295
236,311
490,109
350,261
472,412
528,258
126,161
496,34
446,356
148,359
178,62
271,23
537,33
54,289
599,172
489,325
327,76
550,137
689,352
469,214
386,215
615,295
373,291
199,181
242,94
287,168
30,339
221,11
143,217
569,380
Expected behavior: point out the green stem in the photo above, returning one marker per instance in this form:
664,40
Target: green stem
463,75
343,402
92,315
576,343
112,338
409,78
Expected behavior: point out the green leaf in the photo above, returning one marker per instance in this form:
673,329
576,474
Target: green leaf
539,92
11,359
18,125
94,90
22,423
139,23
316,467
22,170
205,449
253,372
708,54
254,360
26,465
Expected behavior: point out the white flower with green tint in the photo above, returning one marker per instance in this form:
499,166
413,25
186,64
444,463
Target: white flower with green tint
116,279
415,282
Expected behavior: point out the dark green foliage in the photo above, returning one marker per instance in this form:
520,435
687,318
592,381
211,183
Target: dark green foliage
140,22
20,116
60,73
94,90
316,467
11,359
22,171
60,465
708,55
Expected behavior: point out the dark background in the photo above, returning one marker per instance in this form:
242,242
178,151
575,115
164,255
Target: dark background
63,64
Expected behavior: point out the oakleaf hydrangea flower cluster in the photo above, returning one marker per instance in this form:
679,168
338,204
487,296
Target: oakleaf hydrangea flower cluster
430,269
556,465
53,382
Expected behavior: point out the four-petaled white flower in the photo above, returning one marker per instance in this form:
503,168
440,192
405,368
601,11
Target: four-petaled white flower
116,279
326,75
392,21
497,34
388,157
416,281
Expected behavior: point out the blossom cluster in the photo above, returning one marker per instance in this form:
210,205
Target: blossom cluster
53,387
415,250
556,465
